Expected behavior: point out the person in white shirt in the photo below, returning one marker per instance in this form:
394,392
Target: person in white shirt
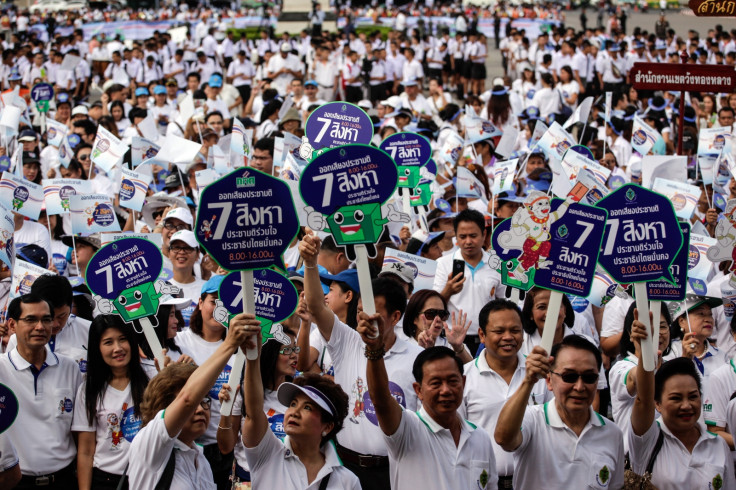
176,68
361,445
435,441
176,412
412,69
184,254
684,453
205,66
45,385
563,443
149,72
240,73
283,68
116,72
351,77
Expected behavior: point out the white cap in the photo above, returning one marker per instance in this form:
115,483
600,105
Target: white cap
185,236
365,104
285,48
393,101
182,214
80,109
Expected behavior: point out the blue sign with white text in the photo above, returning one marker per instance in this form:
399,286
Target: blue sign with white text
8,407
123,264
663,290
336,124
276,297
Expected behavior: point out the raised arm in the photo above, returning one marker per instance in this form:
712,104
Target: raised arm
255,423
508,429
388,411
201,381
321,314
642,414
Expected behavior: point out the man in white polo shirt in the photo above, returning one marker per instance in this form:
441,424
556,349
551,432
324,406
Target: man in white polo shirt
434,445
360,444
470,290
496,374
46,386
563,443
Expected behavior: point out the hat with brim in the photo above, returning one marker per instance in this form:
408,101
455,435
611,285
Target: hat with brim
291,115
288,391
213,284
92,240
178,303
348,276
160,201
420,241
692,301
402,271
34,254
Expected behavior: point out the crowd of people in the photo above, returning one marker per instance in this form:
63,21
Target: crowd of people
444,386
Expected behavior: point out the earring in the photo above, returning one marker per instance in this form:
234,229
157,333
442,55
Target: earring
324,434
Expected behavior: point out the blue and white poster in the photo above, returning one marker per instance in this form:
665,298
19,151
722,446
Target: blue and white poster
56,193
21,196
92,213
133,189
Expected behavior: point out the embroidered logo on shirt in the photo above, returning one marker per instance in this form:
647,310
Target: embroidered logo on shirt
66,405
483,479
717,482
603,476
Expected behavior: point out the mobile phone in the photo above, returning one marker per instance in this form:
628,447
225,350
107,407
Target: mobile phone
458,267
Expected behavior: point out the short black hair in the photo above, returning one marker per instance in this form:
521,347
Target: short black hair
392,293
15,308
673,367
499,304
626,345
88,126
56,290
195,75
265,144
434,353
581,343
469,215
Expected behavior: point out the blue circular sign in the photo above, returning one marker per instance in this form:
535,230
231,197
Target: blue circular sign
123,264
8,407
407,149
127,190
337,124
42,91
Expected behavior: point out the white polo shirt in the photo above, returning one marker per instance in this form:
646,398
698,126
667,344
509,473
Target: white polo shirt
551,455
421,449
347,350
150,451
485,394
200,350
42,433
482,284
621,401
717,394
273,465
612,322
675,467
8,457
70,342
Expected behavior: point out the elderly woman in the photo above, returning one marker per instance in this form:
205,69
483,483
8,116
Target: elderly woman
176,411
316,409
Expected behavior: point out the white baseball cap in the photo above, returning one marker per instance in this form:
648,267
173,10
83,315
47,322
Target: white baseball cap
182,214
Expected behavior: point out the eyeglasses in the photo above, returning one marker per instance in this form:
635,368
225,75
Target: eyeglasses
171,226
187,250
286,351
431,313
702,314
572,377
46,321
83,157
206,403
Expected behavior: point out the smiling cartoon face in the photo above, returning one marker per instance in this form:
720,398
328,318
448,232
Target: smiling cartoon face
409,176
137,302
540,208
356,224
422,194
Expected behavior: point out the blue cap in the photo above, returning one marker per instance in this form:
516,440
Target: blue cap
348,276
638,44
542,184
215,81
159,90
322,271
212,285
61,97
311,82
141,91
614,47
14,74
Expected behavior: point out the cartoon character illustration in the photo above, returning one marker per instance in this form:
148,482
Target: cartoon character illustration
269,329
114,430
530,233
206,227
136,302
354,225
17,204
359,406
408,176
421,196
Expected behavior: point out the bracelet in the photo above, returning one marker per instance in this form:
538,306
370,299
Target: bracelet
374,355
307,267
459,351
224,428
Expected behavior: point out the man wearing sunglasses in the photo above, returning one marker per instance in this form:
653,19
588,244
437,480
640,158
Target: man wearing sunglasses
563,443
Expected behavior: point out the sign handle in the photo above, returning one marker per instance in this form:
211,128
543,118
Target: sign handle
550,321
364,281
152,340
655,307
647,351
406,201
249,306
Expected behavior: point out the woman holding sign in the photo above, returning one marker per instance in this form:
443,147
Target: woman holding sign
108,413
677,452
316,410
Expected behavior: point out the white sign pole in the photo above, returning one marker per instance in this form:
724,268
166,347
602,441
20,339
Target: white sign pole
364,281
152,340
655,307
550,321
647,351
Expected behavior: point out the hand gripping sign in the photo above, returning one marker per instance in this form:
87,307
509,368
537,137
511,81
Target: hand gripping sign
246,220
344,189
335,124
122,275
276,298
642,240
410,152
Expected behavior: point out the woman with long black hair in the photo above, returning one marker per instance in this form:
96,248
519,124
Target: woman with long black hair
108,412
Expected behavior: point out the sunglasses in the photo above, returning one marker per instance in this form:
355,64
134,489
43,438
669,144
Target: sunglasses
572,377
431,313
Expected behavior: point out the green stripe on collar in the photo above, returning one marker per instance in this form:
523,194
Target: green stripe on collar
600,418
546,418
424,421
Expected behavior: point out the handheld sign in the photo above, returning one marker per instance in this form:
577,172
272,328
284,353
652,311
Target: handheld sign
410,152
245,221
123,277
8,408
641,242
344,193
276,298
336,124
41,94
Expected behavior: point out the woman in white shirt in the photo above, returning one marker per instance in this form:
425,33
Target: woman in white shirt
176,412
525,85
545,99
184,255
438,98
677,451
108,414
568,88
316,410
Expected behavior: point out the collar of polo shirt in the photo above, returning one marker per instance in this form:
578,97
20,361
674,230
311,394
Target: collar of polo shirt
435,427
19,363
552,417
